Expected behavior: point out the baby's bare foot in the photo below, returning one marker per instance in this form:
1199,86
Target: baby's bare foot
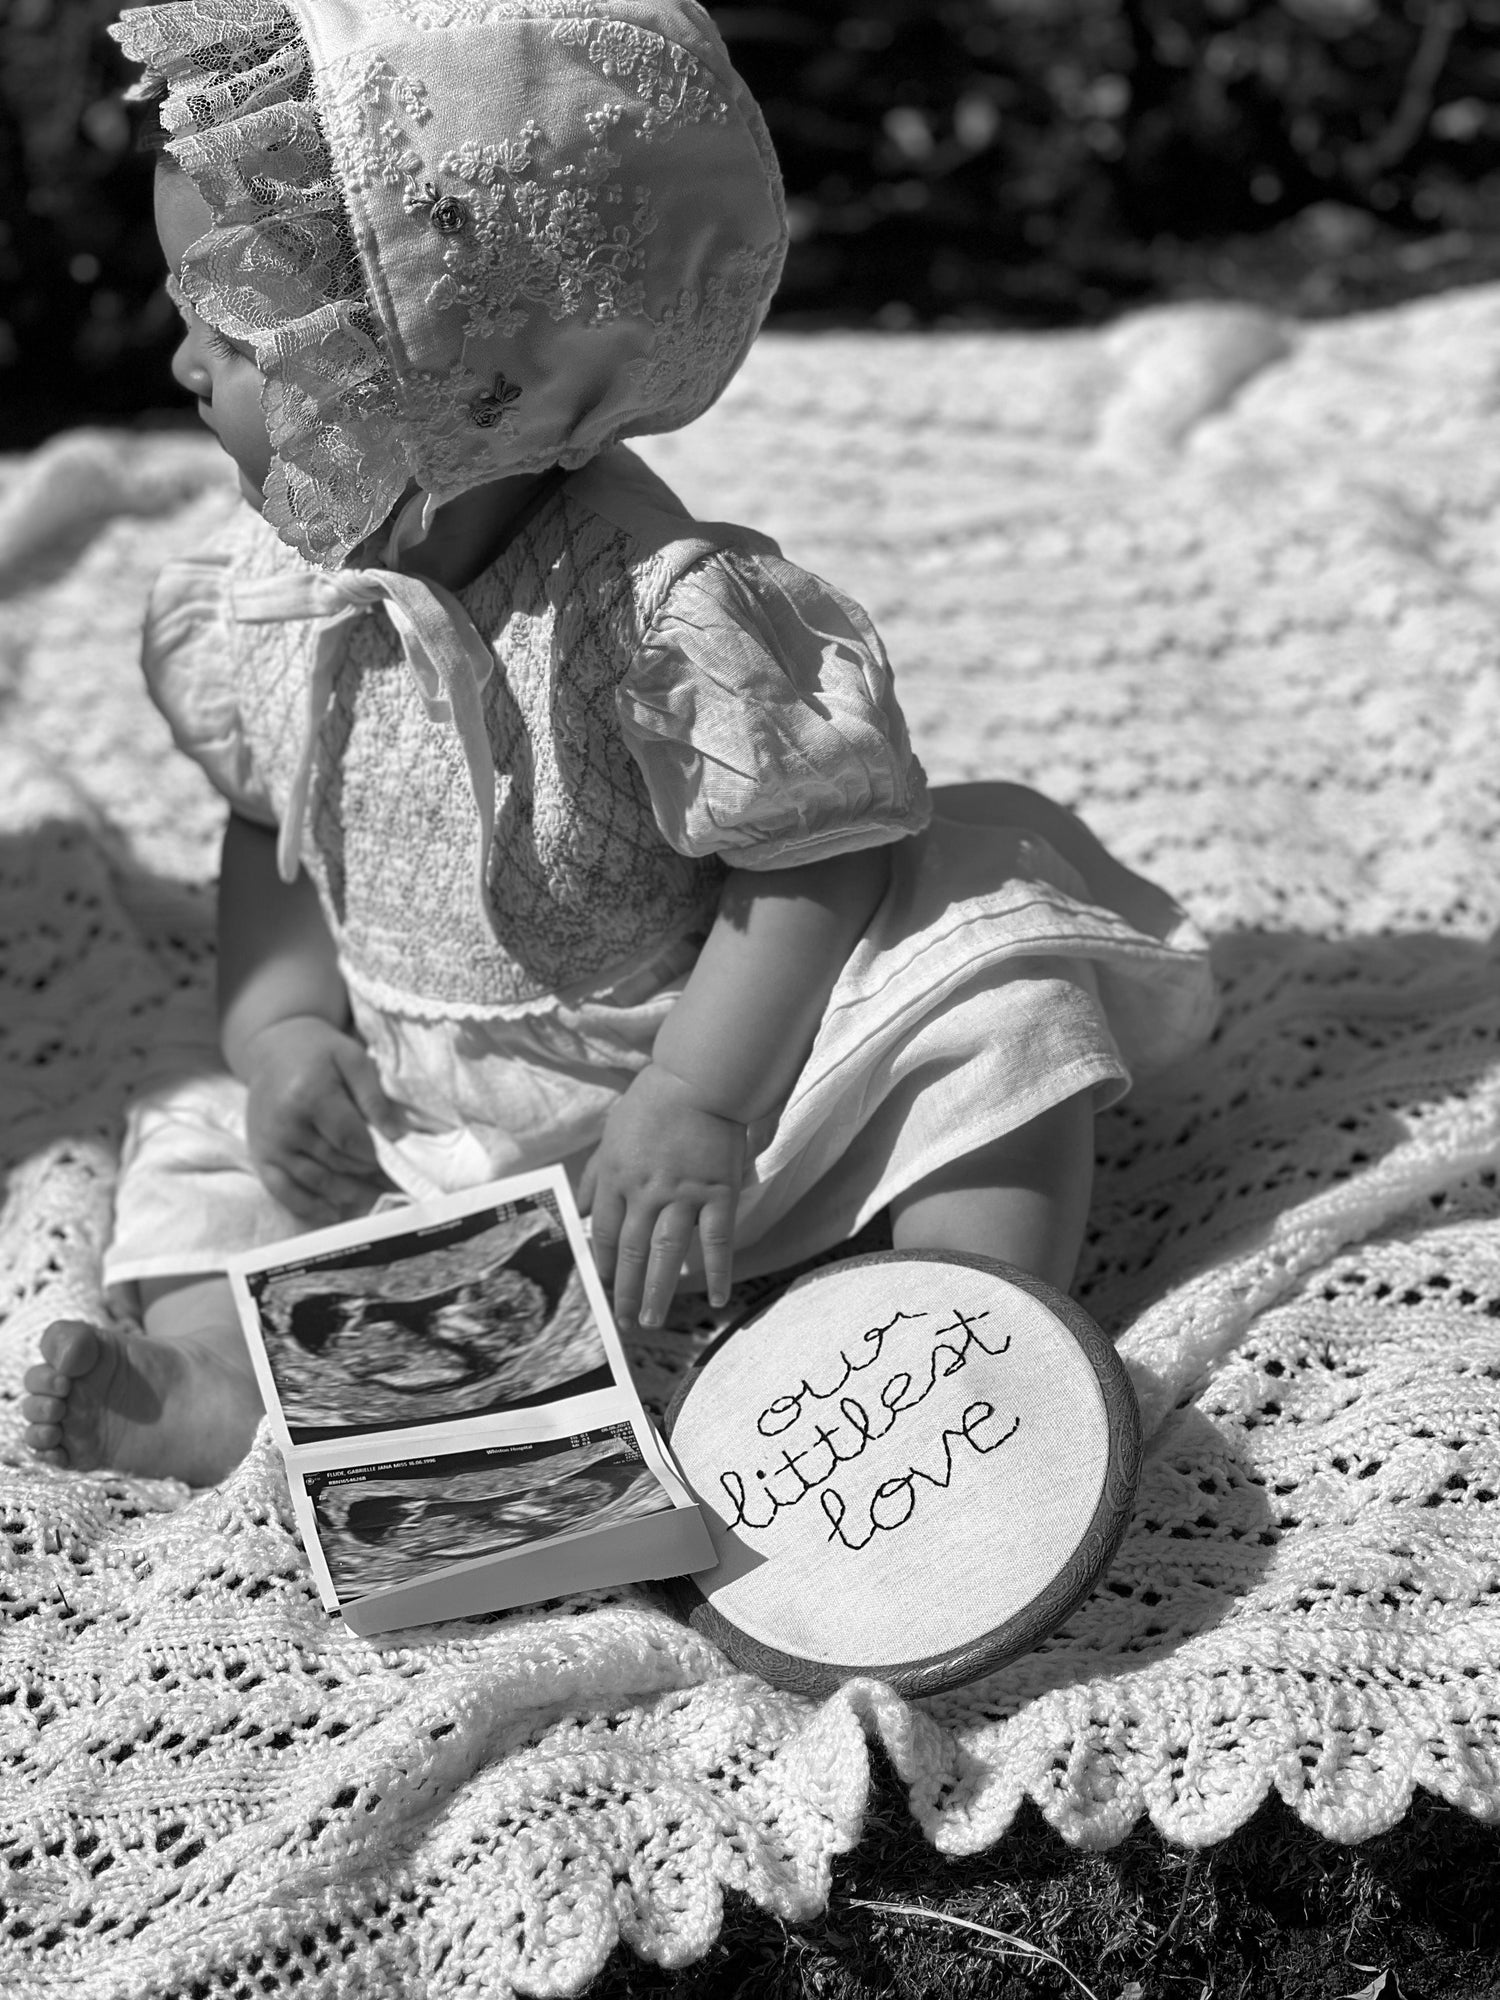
168,1408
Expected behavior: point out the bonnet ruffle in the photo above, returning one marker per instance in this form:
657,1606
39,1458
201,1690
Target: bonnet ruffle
464,238
278,270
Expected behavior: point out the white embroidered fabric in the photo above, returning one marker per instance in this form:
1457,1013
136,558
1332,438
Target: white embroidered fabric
1230,585
444,284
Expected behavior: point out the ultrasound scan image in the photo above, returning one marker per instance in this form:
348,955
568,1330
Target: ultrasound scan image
484,1315
384,1530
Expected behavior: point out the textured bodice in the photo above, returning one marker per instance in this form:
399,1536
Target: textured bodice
656,696
580,882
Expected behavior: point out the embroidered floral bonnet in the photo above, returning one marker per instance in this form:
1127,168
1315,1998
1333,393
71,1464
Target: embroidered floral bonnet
464,238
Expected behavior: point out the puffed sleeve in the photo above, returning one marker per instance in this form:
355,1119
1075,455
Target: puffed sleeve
761,713
187,653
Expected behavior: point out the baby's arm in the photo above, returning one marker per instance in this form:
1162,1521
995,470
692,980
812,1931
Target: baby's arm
730,1050
313,1090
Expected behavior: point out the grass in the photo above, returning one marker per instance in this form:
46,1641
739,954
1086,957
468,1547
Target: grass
1275,1912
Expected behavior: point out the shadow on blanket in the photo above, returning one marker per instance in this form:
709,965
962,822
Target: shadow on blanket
1327,1056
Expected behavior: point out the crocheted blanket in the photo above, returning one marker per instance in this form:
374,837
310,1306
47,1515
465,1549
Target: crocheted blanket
1230,585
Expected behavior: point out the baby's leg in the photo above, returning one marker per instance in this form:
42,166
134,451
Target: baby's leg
1024,1198
177,1402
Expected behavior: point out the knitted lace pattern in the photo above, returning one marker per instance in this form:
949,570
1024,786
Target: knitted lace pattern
1230,585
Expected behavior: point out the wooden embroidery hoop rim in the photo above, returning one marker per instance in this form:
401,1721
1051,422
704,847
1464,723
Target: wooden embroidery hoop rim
1079,1575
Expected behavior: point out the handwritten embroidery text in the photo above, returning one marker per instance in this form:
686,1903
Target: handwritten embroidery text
844,1432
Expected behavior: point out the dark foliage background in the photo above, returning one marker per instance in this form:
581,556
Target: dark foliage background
948,162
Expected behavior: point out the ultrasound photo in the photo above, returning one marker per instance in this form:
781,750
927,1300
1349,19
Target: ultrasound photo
454,1320
383,1526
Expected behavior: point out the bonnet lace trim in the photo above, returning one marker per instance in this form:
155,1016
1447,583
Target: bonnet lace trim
278,270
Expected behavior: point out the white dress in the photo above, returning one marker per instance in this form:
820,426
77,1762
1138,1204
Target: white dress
516,902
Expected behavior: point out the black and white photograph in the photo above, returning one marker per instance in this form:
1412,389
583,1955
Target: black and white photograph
386,1524
841,630
454,1321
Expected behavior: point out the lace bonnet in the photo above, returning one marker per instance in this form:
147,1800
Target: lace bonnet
464,238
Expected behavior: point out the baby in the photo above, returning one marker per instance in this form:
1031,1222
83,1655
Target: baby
563,826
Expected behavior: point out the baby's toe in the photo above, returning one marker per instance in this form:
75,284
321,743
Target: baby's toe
72,1347
43,1433
40,1380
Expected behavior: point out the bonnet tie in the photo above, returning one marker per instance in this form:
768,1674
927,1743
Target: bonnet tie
444,654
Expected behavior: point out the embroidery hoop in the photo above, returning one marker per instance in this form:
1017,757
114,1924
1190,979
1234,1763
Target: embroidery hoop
1066,1354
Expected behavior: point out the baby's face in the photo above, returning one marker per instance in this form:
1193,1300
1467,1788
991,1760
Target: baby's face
221,373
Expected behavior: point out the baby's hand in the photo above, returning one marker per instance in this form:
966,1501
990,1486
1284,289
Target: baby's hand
663,1169
314,1093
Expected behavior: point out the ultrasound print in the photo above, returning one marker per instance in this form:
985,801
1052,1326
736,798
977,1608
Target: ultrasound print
376,1532
478,1316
